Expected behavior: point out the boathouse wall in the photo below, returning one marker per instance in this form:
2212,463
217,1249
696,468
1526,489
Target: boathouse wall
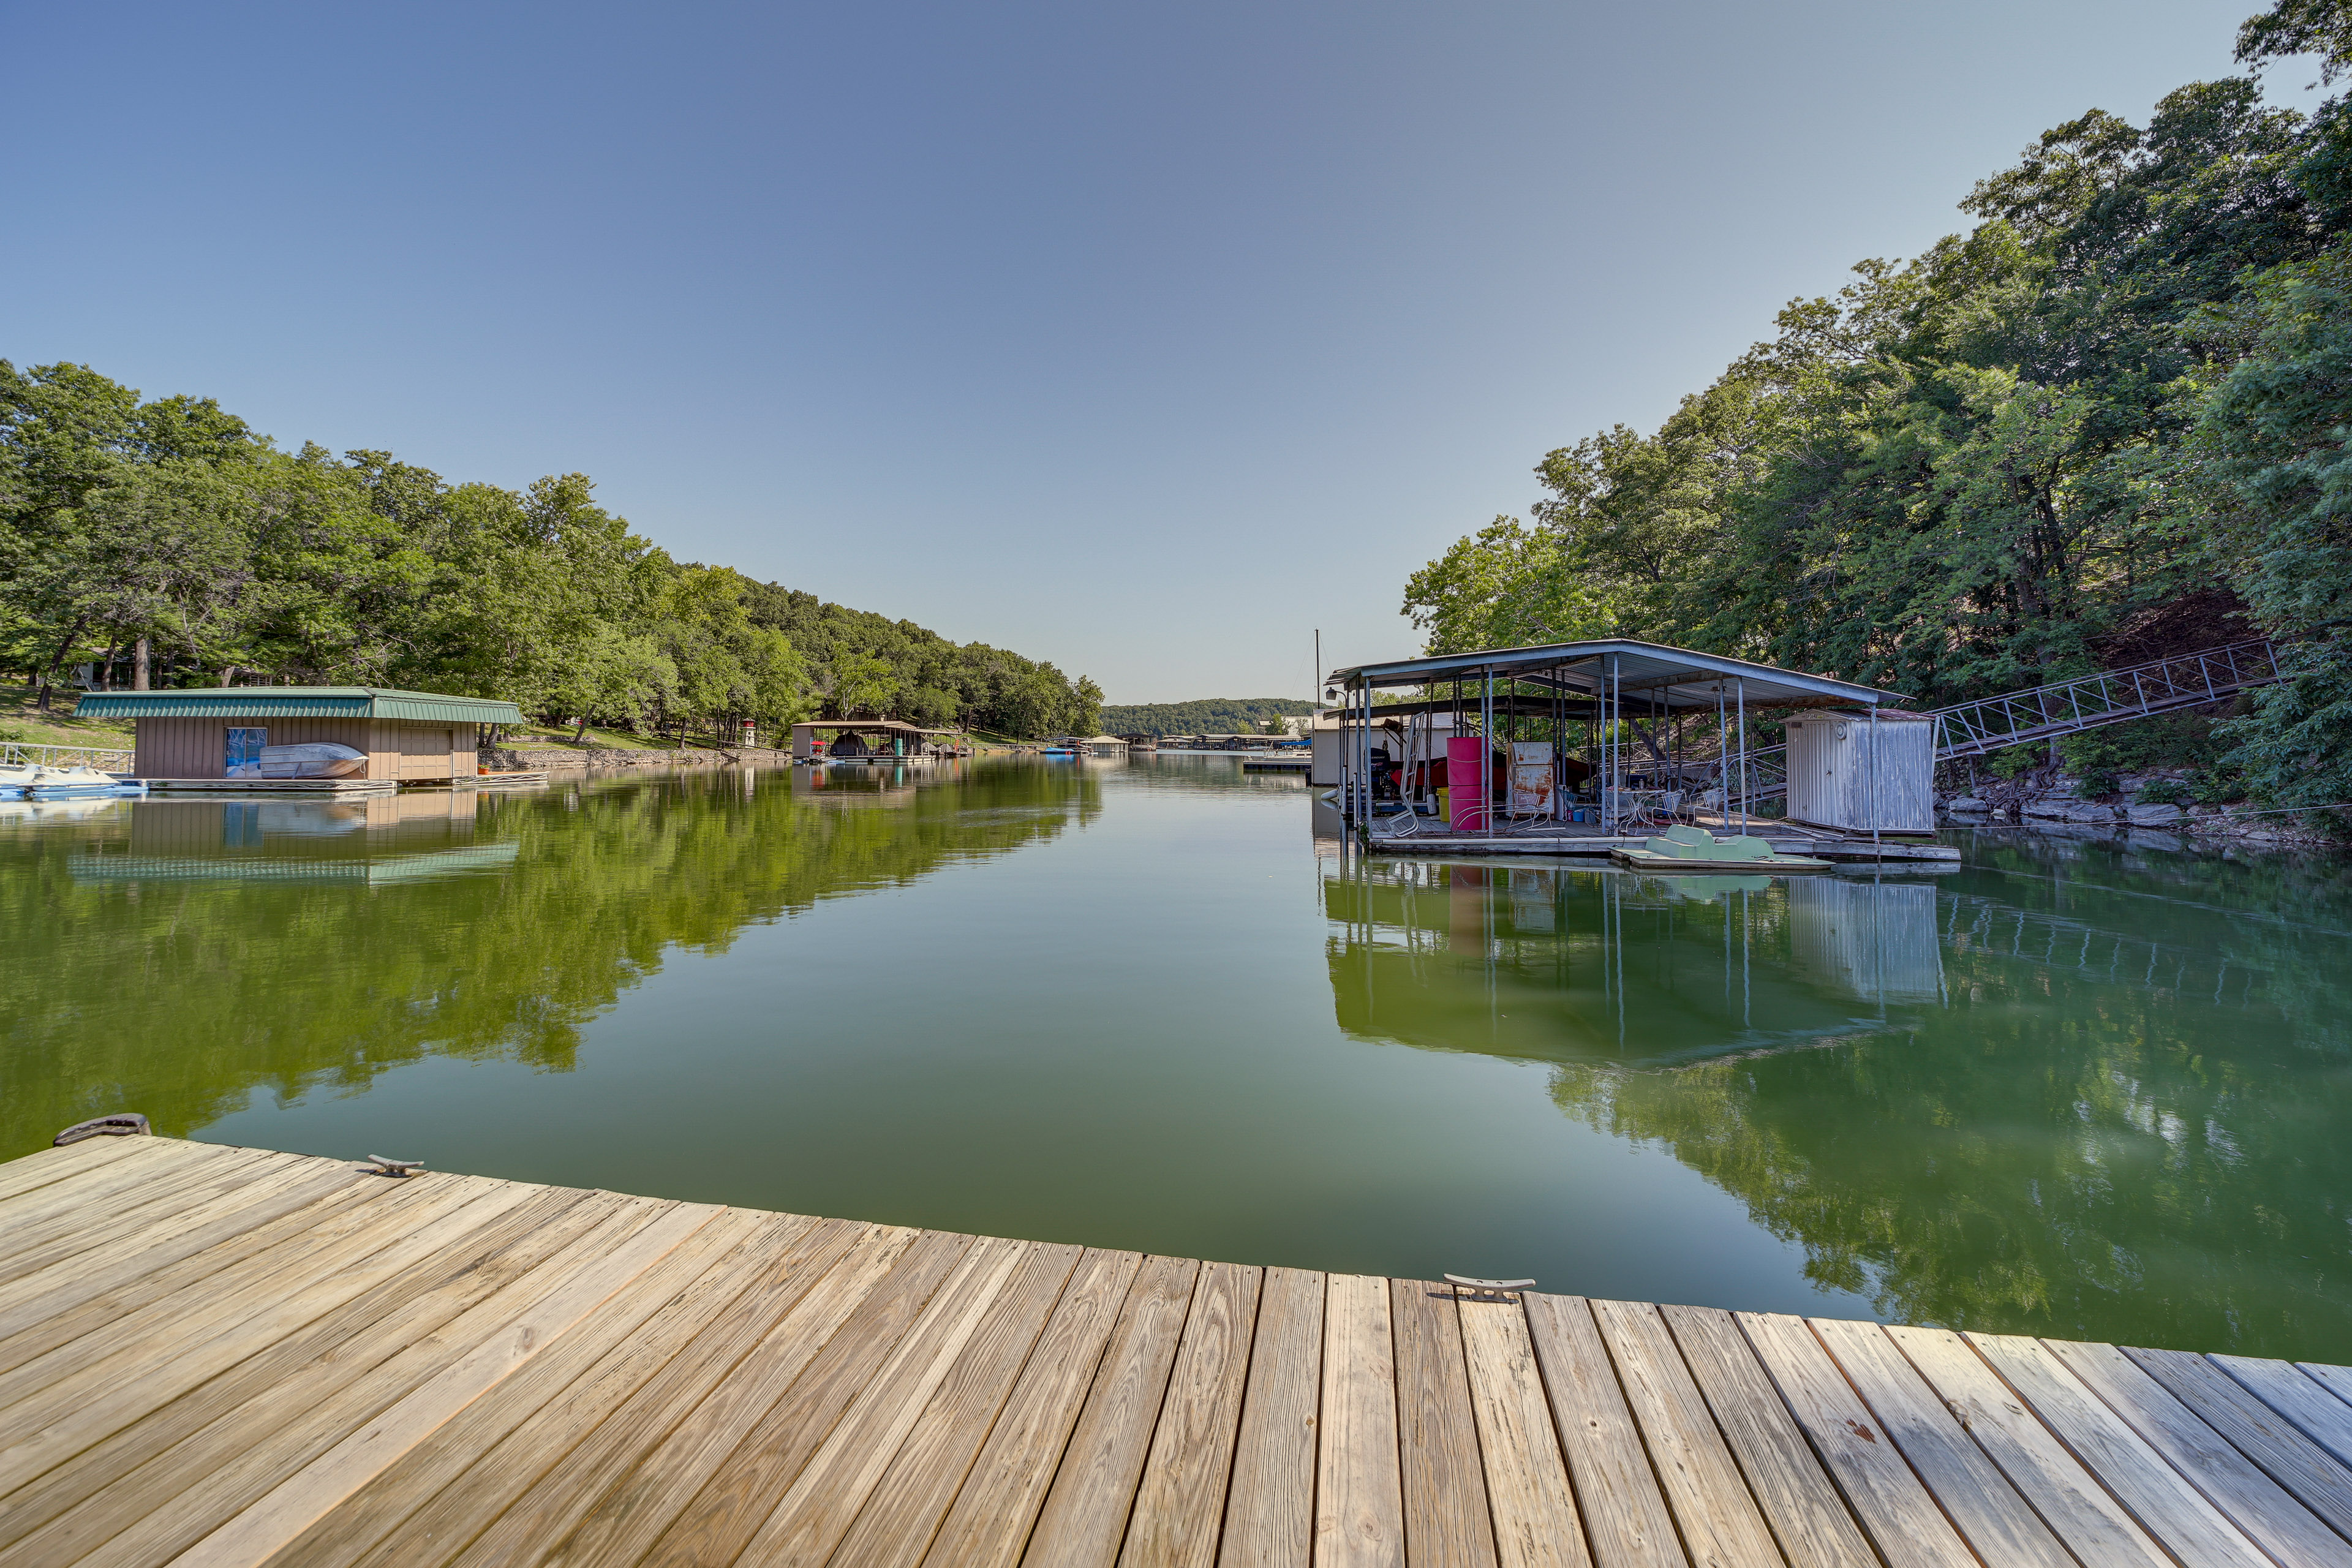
396,748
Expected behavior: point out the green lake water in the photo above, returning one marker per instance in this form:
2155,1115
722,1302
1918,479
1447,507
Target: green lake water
2074,1088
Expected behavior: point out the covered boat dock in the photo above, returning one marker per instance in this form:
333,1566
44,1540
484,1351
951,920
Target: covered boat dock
1599,743
215,738
892,738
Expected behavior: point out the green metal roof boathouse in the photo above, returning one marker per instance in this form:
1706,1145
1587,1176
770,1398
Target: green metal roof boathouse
214,738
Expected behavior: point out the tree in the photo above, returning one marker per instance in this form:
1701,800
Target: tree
2280,424
170,525
2131,379
725,666
338,585
1505,586
614,675
159,552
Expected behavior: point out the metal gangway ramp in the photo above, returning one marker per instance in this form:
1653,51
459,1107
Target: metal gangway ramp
2066,707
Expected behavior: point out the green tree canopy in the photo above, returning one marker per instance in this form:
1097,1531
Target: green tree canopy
169,524
1970,471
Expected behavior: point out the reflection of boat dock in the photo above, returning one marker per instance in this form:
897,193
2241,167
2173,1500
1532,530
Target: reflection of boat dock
1546,962
377,841
227,1356
1979,924
375,872
328,789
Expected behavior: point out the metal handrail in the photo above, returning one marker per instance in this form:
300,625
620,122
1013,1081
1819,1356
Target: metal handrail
2104,697
2040,712
106,759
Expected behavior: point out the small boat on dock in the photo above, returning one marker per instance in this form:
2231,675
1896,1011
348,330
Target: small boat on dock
70,783
1690,851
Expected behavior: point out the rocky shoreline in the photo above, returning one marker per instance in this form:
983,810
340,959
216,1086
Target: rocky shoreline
2059,803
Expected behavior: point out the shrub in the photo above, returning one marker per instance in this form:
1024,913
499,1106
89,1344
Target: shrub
2096,783
2008,765
2217,785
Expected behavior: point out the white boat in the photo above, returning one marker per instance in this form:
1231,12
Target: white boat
60,784
315,760
69,808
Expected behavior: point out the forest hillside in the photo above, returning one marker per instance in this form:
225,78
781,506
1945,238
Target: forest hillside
1204,716
2110,419
164,541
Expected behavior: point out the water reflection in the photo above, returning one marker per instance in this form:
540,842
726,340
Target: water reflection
1559,962
2073,1089
180,954
375,842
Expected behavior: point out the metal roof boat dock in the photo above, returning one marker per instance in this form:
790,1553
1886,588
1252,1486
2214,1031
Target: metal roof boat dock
1605,741
904,742
210,739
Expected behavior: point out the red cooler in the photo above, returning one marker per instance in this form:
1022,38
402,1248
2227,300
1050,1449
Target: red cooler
1468,782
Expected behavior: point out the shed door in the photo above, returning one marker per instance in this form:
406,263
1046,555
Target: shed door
424,753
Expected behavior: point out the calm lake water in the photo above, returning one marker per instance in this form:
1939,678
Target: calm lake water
2070,1088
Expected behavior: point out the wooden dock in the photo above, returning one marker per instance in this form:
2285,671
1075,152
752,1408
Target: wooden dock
212,1355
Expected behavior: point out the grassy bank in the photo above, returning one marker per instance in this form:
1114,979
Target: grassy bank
21,719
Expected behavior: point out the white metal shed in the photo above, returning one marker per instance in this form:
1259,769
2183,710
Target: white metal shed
1863,771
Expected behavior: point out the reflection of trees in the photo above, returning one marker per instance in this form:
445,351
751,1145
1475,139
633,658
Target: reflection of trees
1197,772
2124,1123
177,999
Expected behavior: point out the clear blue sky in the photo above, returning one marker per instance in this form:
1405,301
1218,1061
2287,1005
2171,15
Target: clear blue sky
1146,339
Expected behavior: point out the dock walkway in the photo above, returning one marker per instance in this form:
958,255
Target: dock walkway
213,1355
1557,839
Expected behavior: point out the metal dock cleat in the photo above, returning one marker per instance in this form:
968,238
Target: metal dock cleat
121,1124
384,1167
1487,1289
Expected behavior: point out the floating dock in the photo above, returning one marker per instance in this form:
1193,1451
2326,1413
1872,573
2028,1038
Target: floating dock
332,789
1431,836
212,1355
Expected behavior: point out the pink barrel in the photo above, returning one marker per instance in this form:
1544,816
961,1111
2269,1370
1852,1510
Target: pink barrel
1467,782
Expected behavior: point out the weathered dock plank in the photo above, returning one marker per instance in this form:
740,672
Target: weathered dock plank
1446,1520
228,1357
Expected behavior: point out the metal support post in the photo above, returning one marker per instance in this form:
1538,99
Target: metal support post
1873,779
1722,759
1608,751
1740,685
1346,758
1367,744
1486,752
